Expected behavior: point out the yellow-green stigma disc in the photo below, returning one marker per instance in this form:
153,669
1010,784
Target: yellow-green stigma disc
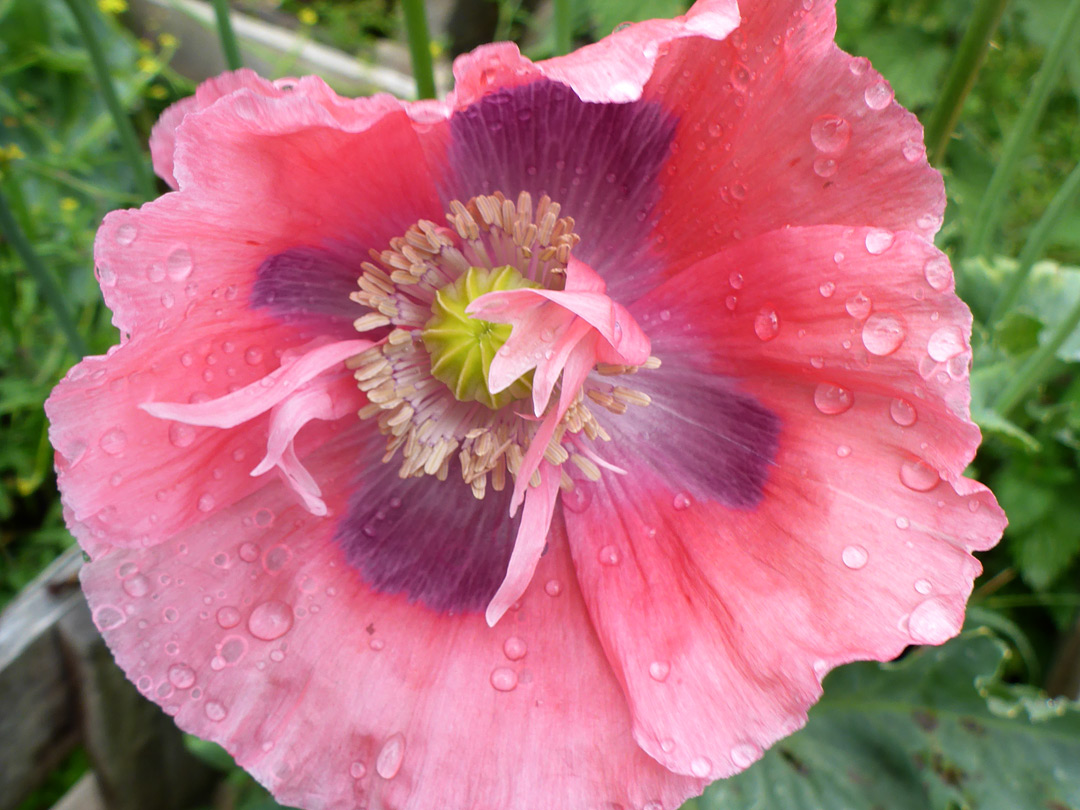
462,347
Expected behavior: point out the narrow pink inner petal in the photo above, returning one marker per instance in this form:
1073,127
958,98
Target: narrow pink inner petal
529,544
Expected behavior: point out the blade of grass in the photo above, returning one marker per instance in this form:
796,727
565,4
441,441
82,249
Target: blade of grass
1020,136
1038,365
128,140
564,28
961,78
1036,242
416,28
229,46
49,289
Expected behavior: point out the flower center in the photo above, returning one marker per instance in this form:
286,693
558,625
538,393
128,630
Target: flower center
427,381
461,346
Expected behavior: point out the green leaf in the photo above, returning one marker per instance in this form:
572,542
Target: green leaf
936,731
606,15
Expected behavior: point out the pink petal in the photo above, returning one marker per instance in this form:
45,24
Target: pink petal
612,70
862,543
253,633
246,403
789,130
529,544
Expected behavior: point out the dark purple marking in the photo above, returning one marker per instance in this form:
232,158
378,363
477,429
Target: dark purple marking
429,540
599,161
309,285
699,434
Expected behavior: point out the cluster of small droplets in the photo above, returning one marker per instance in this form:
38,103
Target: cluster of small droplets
419,415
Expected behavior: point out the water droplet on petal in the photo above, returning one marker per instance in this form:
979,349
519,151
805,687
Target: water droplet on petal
388,762
128,569
108,617
827,289
701,767
736,281
923,586
854,557
249,552
913,150
878,241
126,233
228,617
830,133
902,522
215,711
553,587
825,167
938,273
879,95
178,265
504,679
883,333
931,623
181,676
578,499
767,324
858,306
918,475
358,770
946,342
658,670
743,756
270,620
903,412
137,586
181,435
514,648
113,442
609,555
832,399
681,501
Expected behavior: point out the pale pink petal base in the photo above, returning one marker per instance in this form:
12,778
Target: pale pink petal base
252,631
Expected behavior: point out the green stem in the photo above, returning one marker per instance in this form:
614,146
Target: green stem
1036,242
416,28
961,78
229,45
14,235
1020,135
1037,366
564,27
128,141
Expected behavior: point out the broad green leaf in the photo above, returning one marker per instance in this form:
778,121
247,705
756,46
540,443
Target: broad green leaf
936,731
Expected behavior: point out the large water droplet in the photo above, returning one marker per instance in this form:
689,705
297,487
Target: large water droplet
504,679
658,670
767,324
137,586
878,241
903,412
883,333
113,442
830,133
181,676
825,167
832,399
553,587
215,711
270,620
931,623
228,617
854,557
514,648
701,767
108,617
178,265
743,756
879,95
578,499
126,233
938,273
858,306
918,475
388,762
827,289
946,342
181,435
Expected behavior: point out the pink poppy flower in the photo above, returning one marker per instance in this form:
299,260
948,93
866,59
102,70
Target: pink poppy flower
663,412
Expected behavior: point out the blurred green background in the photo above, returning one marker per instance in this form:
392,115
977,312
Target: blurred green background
63,166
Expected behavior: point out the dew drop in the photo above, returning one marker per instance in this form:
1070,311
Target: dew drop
918,476
946,342
859,65
740,76
854,557
609,555
667,746
913,150
178,265
228,617
931,623
578,499
767,324
215,711
181,435
206,502
504,679
170,614
858,306
376,644
249,552
658,670
181,676
817,362
731,302
825,167
938,273
514,648
388,762
701,767
681,501
743,756
883,333
923,586
843,451
902,522
126,234
358,770
108,617
270,620
830,133
736,281
276,558
553,587
832,399
113,442
903,412
827,289
128,569
879,240
879,95
137,586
